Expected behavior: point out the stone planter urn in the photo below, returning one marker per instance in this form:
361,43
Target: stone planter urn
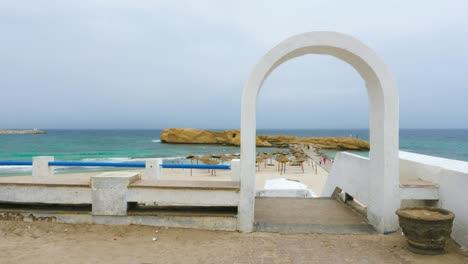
426,229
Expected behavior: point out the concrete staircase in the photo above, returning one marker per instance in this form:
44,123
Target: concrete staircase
418,189
315,215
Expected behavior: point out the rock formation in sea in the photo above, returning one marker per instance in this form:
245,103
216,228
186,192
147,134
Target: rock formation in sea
232,137
21,131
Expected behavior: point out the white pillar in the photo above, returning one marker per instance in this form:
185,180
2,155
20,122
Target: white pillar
153,169
235,170
41,168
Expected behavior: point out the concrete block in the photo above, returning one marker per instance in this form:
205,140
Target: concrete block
153,170
109,192
41,168
235,170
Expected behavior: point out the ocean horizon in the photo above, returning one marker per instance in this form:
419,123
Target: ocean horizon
139,144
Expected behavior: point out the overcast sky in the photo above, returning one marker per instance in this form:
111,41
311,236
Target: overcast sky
158,64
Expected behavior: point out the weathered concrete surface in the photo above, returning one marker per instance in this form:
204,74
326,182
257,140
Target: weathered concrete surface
45,194
295,215
225,222
109,192
44,243
41,168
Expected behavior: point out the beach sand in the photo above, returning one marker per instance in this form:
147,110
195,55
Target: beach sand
45,242
314,182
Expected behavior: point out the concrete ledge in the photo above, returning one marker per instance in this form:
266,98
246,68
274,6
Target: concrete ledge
44,184
198,222
190,197
45,194
198,185
418,190
290,193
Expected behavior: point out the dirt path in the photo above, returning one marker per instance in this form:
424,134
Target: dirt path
43,242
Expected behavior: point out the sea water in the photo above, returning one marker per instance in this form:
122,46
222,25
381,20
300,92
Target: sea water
134,145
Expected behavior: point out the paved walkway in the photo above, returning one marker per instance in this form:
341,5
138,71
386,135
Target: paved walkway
311,152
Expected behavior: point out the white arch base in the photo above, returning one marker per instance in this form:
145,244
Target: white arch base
383,121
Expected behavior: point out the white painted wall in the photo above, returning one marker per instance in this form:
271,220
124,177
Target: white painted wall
452,178
45,194
188,197
350,173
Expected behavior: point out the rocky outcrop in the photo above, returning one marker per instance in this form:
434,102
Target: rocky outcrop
20,132
232,137
196,136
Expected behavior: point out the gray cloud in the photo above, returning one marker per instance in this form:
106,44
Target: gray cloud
155,64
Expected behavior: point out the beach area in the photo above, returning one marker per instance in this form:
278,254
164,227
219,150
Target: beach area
313,177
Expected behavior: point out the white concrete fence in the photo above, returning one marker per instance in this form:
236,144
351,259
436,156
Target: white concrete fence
422,178
41,168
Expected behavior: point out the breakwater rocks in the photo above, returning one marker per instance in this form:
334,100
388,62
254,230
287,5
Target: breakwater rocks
20,131
232,137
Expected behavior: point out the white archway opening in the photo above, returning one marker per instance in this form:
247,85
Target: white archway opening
383,121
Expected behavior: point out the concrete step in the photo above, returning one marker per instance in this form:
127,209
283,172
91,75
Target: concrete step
318,215
418,189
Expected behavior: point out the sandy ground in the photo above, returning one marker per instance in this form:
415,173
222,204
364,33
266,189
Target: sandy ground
315,182
44,242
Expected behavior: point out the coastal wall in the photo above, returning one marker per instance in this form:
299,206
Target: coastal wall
452,178
351,174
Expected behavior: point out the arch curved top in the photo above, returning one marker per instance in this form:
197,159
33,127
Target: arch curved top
380,83
347,48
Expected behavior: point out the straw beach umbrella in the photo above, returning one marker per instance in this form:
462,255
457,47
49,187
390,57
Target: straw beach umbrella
283,160
223,158
190,157
213,162
301,160
210,162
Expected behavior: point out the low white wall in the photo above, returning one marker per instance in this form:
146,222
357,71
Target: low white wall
45,194
350,172
452,178
183,197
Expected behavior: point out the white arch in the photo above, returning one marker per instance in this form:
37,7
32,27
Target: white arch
383,121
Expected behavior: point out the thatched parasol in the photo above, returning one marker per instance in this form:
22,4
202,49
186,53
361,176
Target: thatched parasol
191,157
205,157
211,162
223,158
282,160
